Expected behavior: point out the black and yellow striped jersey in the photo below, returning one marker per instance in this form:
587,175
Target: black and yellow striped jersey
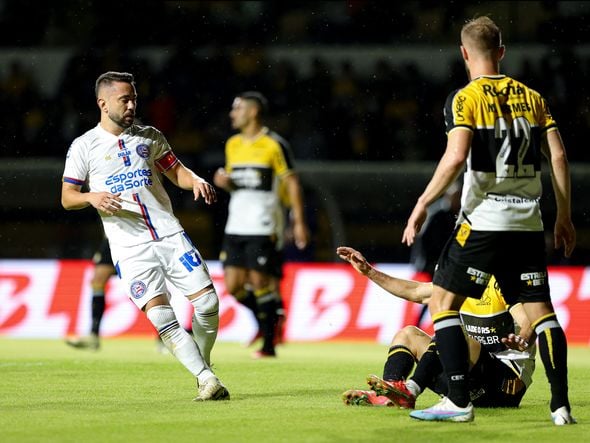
502,183
256,167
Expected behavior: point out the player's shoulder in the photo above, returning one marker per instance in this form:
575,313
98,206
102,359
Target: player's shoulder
452,95
145,131
278,139
88,138
233,139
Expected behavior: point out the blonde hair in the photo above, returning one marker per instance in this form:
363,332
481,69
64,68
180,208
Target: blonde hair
482,34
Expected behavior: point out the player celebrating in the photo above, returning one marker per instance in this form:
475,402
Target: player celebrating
123,163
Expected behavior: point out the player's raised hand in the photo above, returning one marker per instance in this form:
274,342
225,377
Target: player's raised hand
202,188
355,258
105,202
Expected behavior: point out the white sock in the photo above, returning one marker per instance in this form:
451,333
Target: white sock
206,322
413,387
178,341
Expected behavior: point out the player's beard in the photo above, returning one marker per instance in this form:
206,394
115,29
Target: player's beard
122,121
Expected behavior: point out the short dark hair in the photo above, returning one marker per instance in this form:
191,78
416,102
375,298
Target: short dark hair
113,76
259,99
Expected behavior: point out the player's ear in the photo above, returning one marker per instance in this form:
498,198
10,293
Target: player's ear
501,52
464,53
102,104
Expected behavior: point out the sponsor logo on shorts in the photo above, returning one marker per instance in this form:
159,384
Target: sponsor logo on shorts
534,278
143,150
190,260
137,289
478,277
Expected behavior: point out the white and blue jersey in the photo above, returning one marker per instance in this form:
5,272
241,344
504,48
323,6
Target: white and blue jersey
131,164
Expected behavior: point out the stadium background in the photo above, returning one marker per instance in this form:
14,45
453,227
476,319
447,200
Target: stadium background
357,87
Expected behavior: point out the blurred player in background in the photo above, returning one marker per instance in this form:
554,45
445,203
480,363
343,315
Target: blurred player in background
498,129
256,160
122,163
103,271
498,376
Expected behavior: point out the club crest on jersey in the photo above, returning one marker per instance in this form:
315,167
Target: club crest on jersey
143,150
137,289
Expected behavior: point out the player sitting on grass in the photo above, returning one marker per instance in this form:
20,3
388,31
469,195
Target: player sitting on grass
498,376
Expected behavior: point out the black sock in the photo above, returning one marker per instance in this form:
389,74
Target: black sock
399,364
98,306
428,368
267,318
553,352
247,298
454,355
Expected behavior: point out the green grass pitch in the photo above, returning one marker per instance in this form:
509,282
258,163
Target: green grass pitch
127,392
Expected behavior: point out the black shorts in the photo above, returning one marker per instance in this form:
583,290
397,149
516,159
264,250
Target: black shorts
516,259
103,255
492,384
257,252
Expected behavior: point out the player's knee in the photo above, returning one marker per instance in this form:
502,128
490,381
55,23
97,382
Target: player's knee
206,303
403,336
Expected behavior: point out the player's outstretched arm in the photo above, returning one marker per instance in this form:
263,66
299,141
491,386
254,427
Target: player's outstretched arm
410,290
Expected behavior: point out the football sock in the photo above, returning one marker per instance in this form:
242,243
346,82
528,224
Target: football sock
178,341
206,322
553,352
98,306
280,319
399,364
247,298
454,354
413,387
428,368
267,318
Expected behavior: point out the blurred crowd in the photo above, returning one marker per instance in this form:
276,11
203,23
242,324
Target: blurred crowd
331,112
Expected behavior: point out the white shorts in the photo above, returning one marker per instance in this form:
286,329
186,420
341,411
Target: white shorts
145,268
